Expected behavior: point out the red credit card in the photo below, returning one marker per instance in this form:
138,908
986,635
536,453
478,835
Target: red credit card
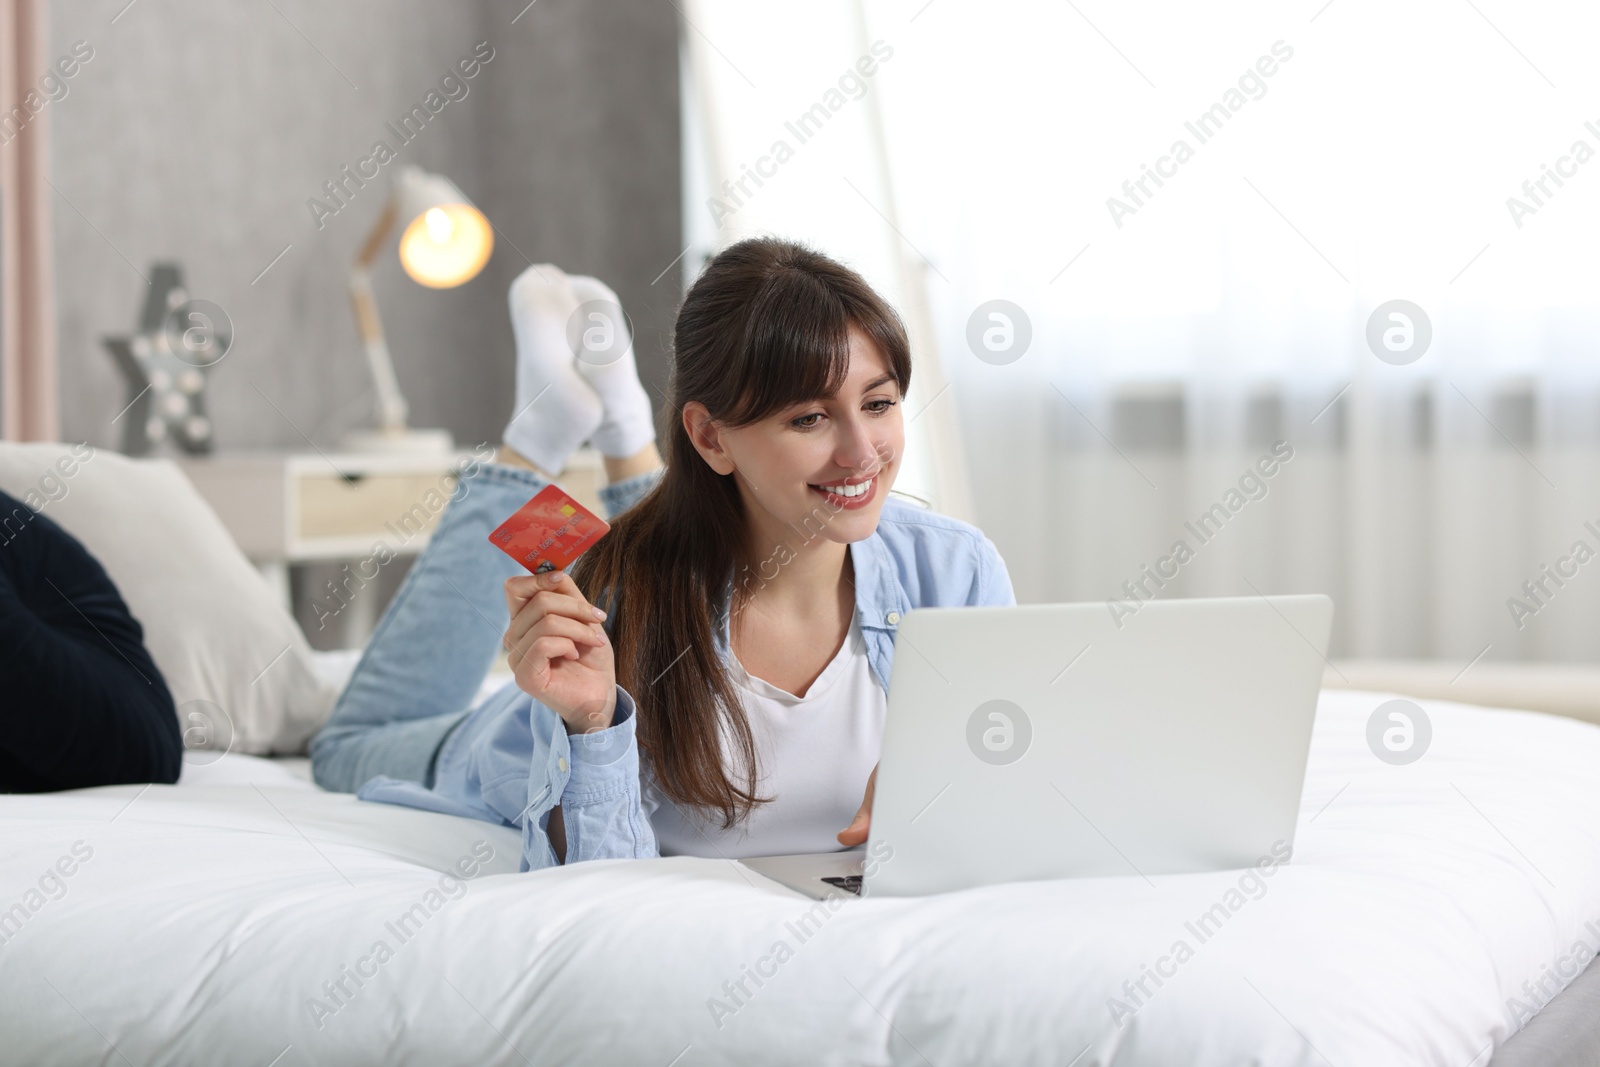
549,531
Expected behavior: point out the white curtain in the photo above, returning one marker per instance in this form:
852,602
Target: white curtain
1335,157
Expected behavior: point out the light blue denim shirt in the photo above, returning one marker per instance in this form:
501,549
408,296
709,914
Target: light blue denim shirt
511,760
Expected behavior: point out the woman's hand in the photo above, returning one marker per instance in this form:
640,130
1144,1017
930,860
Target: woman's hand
856,833
558,650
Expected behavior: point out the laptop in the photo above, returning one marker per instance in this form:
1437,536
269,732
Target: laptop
1061,741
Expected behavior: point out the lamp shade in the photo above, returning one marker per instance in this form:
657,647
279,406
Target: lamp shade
445,241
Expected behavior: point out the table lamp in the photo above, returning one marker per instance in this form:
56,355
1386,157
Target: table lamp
444,242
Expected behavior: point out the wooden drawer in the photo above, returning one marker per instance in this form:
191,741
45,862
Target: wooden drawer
289,508
365,505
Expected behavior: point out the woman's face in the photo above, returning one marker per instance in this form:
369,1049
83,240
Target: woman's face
818,470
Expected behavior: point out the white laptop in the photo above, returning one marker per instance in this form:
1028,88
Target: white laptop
1048,741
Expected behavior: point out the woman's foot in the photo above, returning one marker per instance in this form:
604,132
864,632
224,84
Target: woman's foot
604,346
556,409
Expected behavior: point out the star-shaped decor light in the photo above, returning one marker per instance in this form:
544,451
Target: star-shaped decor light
165,365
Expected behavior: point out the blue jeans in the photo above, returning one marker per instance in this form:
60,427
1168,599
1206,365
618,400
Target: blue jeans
437,639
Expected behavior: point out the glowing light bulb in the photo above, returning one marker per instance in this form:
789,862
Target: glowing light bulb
440,228
446,245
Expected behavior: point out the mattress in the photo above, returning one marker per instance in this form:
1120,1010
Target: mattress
246,917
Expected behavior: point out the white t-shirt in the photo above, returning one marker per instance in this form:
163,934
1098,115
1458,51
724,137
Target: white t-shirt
815,754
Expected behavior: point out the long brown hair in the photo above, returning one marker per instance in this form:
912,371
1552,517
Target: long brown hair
763,328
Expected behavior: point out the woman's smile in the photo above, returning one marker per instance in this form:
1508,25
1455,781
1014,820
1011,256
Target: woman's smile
849,494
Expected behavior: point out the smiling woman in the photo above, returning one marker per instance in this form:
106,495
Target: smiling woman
850,493
732,703
789,374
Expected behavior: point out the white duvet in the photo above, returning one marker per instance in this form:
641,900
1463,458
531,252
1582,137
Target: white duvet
245,917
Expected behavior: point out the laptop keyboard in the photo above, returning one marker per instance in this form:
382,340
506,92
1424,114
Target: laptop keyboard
850,883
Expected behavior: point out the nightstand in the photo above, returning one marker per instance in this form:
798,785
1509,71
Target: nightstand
285,508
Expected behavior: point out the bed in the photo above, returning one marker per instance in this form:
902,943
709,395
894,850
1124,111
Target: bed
1429,912
1443,912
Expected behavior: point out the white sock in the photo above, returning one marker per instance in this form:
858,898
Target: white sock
556,410
628,424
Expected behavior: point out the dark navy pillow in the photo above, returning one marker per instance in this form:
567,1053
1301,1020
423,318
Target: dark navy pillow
81,701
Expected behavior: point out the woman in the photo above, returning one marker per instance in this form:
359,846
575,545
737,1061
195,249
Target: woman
750,590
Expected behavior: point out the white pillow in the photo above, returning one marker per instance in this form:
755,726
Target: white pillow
211,622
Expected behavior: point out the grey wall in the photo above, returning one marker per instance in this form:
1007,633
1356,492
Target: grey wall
199,129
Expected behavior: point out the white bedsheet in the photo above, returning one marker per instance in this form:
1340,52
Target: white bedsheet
206,922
